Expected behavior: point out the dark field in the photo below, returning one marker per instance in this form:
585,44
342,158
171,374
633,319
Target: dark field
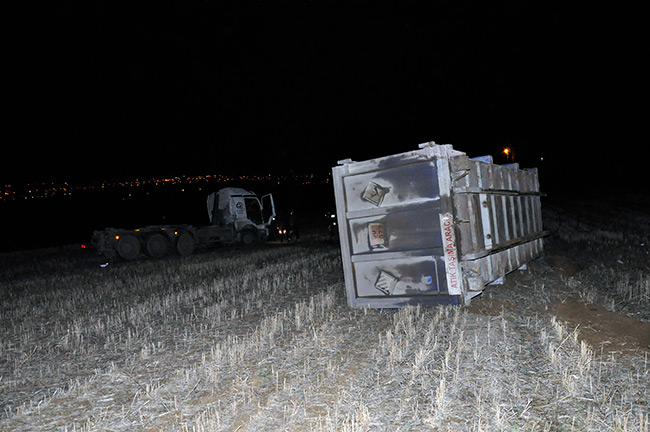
250,340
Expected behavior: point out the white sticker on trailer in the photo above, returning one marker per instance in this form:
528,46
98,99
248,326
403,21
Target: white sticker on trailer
452,266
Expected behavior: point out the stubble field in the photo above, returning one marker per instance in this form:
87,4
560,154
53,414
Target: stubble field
262,340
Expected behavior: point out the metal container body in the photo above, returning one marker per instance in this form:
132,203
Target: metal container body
432,226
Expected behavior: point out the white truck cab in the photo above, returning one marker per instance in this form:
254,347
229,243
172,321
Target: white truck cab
242,210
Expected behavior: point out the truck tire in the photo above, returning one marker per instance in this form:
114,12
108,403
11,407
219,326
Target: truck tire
248,237
128,247
185,243
156,245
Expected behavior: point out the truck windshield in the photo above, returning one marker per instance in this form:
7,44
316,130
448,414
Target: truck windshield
253,210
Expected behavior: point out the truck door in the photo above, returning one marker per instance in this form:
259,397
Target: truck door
268,208
238,207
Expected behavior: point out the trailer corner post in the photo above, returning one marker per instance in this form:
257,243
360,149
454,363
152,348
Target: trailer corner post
337,179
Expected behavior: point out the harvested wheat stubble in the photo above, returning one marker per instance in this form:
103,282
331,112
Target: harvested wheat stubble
263,340
80,325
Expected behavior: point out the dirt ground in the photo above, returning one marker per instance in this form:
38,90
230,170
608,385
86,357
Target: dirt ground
594,276
603,329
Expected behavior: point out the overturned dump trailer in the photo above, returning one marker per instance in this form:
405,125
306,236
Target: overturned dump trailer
433,226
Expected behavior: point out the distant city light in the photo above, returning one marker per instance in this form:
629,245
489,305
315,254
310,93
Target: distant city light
132,188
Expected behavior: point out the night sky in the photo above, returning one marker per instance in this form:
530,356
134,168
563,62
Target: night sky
123,89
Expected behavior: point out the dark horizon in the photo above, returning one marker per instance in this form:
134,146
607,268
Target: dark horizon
122,90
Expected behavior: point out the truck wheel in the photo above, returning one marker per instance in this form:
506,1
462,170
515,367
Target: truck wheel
185,243
128,247
156,245
248,238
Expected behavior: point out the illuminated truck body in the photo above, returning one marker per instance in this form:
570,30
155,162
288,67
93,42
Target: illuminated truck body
433,226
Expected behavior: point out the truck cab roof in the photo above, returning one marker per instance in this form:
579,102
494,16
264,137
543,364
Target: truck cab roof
234,192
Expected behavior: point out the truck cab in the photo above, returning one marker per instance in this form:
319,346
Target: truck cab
247,214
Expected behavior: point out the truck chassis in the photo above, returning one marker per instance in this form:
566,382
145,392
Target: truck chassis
238,216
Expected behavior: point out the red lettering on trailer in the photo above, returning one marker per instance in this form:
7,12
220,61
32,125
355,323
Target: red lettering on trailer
451,258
